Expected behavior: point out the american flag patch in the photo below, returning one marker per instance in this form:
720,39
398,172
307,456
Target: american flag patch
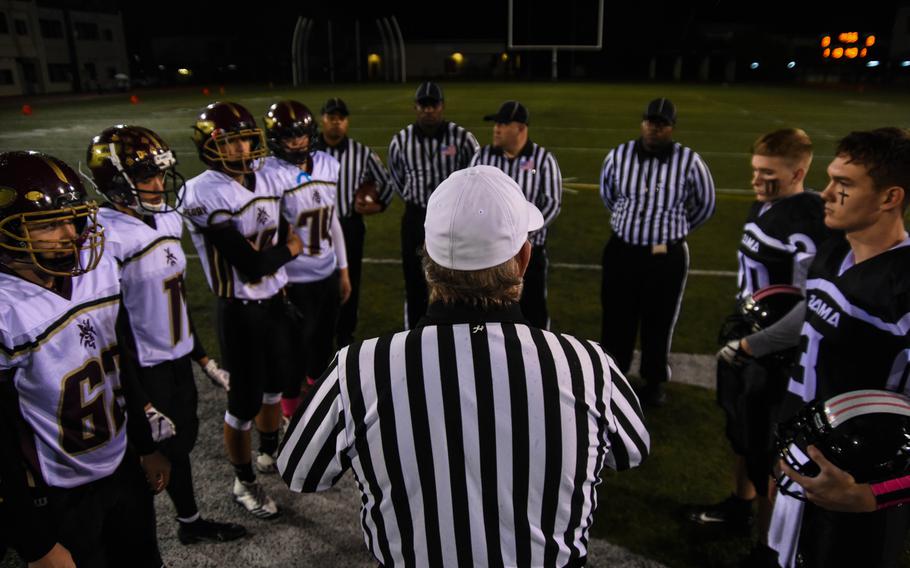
448,150
526,165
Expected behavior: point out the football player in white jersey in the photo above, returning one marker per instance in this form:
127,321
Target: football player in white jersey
74,487
134,169
233,214
318,280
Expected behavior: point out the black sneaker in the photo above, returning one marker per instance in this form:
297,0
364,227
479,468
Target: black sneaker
733,513
653,395
203,529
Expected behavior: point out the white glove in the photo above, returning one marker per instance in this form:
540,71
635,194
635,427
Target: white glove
733,354
218,376
162,426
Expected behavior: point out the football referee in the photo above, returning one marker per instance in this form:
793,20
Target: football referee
421,156
535,170
658,191
477,439
363,189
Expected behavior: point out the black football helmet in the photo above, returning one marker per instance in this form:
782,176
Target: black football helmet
38,192
123,156
756,312
289,119
865,433
218,130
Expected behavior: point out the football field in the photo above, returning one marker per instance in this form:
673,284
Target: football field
579,123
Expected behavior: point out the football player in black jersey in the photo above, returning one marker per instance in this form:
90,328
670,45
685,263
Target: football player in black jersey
784,227
855,335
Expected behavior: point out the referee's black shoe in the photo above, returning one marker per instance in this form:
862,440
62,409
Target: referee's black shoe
652,394
732,513
203,529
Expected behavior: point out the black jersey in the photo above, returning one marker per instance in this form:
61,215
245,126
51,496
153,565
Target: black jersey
779,241
857,322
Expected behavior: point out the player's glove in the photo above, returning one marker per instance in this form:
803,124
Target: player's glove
218,376
162,426
733,354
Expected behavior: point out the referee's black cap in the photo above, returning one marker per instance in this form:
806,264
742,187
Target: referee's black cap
335,106
429,92
510,111
662,109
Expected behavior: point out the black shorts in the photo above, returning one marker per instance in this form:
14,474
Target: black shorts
841,540
111,521
254,340
750,396
171,388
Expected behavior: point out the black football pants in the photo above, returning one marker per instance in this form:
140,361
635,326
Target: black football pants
354,233
640,287
314,329
415,284
534,291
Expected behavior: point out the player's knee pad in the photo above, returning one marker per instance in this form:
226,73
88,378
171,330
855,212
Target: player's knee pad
237,423
271,397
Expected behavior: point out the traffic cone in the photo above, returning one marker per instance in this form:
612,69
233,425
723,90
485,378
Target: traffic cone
134,99
27,110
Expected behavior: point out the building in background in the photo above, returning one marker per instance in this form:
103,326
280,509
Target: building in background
44,49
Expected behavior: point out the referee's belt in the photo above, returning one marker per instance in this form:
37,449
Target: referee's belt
277,298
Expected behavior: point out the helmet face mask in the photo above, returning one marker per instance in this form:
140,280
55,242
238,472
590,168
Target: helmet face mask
220,133
123,157
866,433
286,121
45,221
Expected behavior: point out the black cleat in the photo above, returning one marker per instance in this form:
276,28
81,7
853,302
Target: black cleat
202,529
652,395
732,513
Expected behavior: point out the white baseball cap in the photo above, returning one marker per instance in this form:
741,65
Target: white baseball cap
478,218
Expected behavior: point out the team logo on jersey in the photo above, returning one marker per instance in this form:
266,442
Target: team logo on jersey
262,216
86,333
316,197
448,151
170,257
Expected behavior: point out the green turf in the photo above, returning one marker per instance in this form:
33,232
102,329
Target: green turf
579,123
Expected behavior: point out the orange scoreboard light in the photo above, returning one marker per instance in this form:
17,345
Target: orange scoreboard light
847,46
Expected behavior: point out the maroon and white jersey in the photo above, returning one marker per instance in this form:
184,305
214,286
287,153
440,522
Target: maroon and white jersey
213,199
152,266
60,351
309,207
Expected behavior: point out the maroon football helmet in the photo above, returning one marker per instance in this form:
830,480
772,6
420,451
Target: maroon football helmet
219,134
289,119
123,156
39,192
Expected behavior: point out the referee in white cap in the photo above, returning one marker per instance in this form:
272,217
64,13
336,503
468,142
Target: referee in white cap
477,439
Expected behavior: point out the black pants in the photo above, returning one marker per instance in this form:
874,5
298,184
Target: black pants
639,286
354,233
534,291
109,522
171,389
255,349
851,540
415,284
313,330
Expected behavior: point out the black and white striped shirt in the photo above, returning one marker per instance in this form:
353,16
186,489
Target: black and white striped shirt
418,163
474,438
656,199
358,165
537,173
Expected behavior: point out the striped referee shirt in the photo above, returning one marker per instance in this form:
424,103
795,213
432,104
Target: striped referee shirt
656,199
359,164
537,173
418,163
474,438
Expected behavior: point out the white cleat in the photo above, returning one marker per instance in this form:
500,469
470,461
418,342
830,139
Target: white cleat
266,463
252,497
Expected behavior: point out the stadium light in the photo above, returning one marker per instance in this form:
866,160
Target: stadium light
827,52
791,65
905,63
837,53
870,41
826,41
458,58
161,67
504,57
373,58
753,65
184,72
873,63
863,52
851,52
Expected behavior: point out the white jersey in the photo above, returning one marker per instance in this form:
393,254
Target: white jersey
152,266
309,207
62,351
212,199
